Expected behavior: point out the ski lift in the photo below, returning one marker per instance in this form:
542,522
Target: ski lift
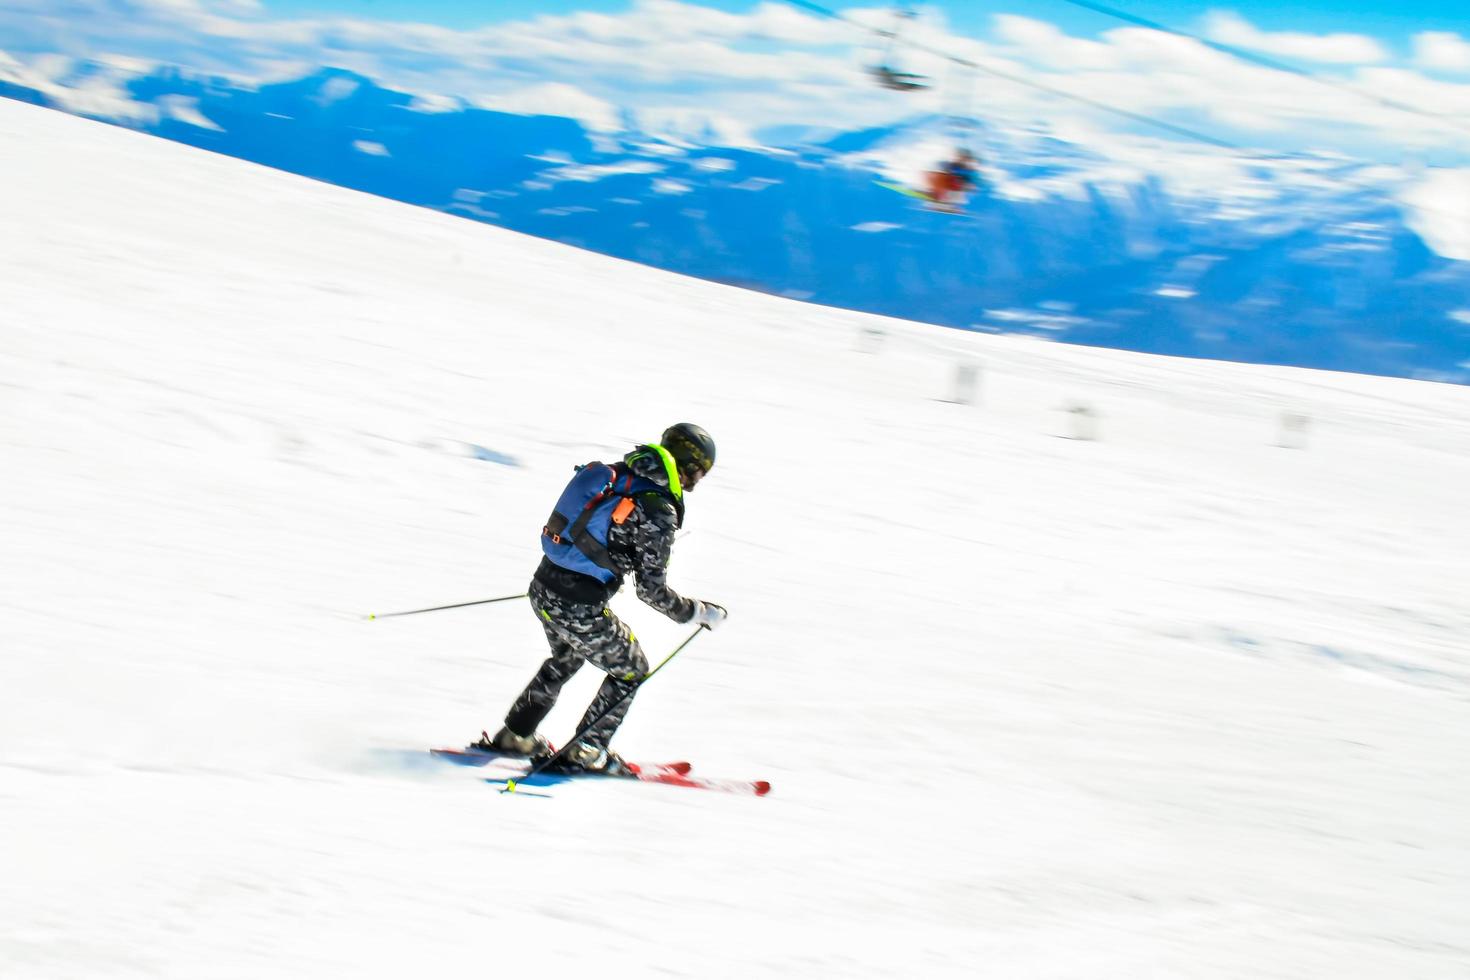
884,72
898,81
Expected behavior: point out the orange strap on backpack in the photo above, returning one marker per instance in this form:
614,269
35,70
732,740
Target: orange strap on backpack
622,510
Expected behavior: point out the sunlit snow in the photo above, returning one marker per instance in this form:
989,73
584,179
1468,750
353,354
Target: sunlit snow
1134,667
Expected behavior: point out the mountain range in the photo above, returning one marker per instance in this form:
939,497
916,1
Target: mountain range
1307,260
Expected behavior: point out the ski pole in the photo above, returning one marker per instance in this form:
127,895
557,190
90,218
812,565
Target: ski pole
457,605
510,784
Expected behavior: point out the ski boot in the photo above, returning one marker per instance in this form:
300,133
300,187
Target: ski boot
507,742
585,757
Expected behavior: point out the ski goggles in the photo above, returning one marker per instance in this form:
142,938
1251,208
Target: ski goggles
692,463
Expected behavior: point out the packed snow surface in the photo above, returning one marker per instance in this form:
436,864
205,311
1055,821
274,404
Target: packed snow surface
1187,699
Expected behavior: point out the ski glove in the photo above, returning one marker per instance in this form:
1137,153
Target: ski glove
707,614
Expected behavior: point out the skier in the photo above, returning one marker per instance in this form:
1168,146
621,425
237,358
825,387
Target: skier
611,520
954,178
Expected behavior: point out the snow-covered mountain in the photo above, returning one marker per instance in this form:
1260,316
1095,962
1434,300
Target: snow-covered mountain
1305,260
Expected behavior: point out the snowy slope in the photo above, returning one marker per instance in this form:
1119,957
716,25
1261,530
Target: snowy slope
1175,703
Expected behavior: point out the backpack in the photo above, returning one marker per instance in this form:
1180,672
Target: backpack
599,496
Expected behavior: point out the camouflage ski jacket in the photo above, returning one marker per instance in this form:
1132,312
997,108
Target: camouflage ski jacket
641,546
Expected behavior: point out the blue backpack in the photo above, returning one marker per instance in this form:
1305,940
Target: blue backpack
599,496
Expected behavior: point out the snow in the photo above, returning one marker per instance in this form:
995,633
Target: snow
755,184
1439,210
718,165
1178,702
336,89
557,99
589,173
434,104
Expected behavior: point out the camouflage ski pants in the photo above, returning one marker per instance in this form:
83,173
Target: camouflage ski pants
580,633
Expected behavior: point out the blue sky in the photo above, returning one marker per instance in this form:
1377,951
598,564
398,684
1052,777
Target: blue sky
1392,22
741,69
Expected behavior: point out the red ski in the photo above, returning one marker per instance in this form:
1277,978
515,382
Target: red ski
744,787
667,773
481,757
674,775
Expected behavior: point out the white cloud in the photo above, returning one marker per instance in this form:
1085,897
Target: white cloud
1442,51
556,99
1439,211
689,72
65,81
1048,45
122,63
1161,74
1346,49
700,126
678,21
371,148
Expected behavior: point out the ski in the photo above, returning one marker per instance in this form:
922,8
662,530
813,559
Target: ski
666,773
743,787
470,756
676,774
928,202
903,189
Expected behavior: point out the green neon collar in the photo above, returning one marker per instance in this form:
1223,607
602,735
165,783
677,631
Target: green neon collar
672,469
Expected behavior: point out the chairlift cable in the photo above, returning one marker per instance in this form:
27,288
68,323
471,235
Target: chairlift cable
1139,117
1039,86
1268,62
1184,131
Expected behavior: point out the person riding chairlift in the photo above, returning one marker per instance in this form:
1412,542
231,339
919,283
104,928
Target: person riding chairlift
898,81
954,178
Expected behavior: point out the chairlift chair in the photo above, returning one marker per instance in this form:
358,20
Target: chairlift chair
898,81
883,72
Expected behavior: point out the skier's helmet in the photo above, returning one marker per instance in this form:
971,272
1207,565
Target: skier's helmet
693,451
